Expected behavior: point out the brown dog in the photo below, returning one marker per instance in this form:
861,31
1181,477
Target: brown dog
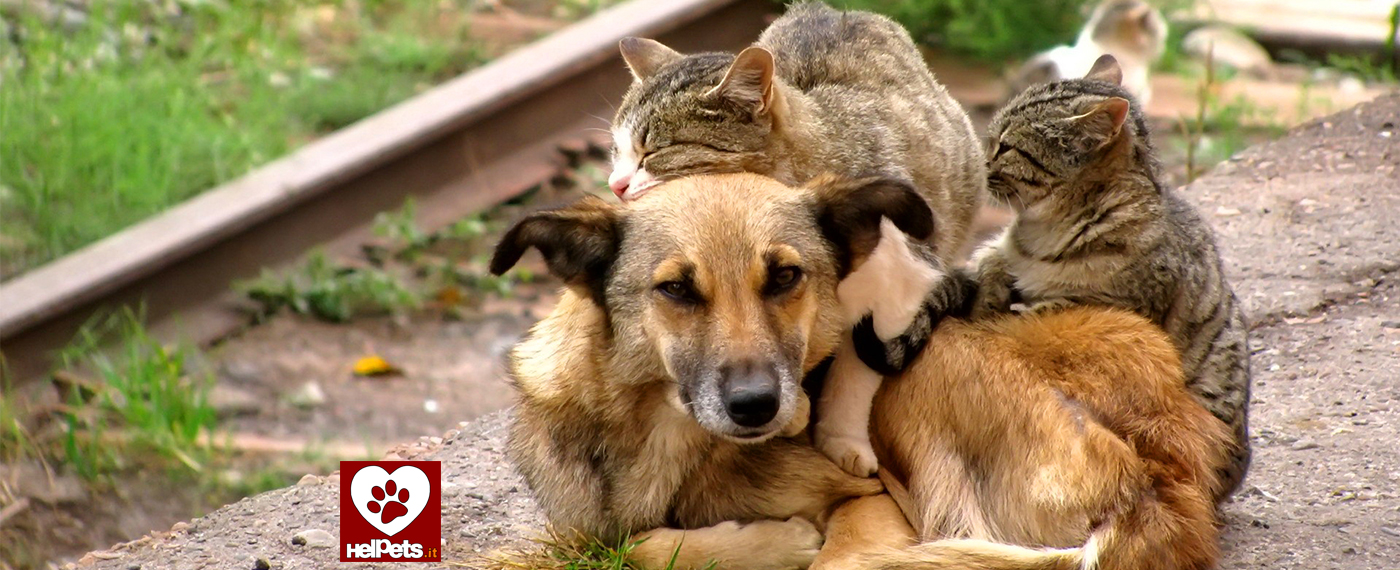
1056,441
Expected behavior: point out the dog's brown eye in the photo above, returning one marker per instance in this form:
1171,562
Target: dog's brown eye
783,278
678,291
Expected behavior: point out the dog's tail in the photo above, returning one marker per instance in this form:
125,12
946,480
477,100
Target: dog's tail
1173,528
968,554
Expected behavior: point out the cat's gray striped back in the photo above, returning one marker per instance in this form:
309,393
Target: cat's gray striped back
1096,225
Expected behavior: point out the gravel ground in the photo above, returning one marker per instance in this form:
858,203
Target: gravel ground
1310,226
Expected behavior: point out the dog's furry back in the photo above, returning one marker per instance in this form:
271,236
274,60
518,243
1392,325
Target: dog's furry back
1069,431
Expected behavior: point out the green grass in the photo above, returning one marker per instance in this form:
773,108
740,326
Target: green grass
329,291
557,552
102,129
143,399
407,269
990,30
17,443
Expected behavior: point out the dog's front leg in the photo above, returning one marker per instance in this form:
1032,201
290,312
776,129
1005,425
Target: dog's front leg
860,527
760,545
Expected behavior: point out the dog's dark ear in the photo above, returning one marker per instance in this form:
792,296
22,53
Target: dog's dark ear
579,243
849,213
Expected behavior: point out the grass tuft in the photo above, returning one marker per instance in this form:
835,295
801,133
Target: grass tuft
143,388
990,30
405,270
556,551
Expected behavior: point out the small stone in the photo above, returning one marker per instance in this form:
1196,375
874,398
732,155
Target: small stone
309,395
314,538
133,567
308,480
1349,550
1390,530
1254,490
243,371
180,527
262,564
1305,444
1390,324
229,401
1226,211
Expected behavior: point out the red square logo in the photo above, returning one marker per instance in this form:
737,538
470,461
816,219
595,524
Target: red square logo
390,511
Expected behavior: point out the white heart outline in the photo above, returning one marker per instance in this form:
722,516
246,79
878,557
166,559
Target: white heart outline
414,479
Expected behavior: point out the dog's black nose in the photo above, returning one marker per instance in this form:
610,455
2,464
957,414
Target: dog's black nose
750,393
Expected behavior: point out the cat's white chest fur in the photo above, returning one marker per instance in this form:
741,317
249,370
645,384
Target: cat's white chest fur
891,284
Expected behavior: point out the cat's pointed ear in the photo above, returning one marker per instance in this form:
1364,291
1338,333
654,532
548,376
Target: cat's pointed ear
579,243
644,56
749,81
1103,121
1106,69
849,213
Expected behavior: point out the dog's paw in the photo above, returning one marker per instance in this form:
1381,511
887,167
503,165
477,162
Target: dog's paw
784,545
852,453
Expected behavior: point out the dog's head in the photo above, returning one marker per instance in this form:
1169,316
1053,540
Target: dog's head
723,285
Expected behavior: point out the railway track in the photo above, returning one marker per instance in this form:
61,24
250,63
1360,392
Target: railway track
459,148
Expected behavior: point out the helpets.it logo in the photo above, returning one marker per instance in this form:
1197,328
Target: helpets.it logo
390,511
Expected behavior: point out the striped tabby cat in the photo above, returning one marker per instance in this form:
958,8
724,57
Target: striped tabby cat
1096,225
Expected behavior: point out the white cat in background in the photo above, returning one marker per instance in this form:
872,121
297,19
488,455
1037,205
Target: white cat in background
1132,30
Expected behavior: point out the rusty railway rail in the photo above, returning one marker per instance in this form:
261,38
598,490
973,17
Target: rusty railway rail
459,148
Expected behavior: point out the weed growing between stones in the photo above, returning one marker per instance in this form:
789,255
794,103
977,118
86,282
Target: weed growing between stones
405,269
556,551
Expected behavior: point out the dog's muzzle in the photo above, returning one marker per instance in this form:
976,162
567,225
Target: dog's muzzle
751,392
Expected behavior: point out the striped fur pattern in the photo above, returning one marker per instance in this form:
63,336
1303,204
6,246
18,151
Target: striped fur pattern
1097,226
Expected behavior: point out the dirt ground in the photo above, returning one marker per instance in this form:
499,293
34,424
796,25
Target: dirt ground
1309,225
449,370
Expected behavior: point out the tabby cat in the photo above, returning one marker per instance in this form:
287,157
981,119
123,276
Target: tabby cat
822,91
1132,31
1096,225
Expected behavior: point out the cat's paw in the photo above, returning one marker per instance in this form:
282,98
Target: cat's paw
1044,307
783,545
798,423
853,454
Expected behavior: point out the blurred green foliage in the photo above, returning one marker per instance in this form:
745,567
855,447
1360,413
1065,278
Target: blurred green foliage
991,30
